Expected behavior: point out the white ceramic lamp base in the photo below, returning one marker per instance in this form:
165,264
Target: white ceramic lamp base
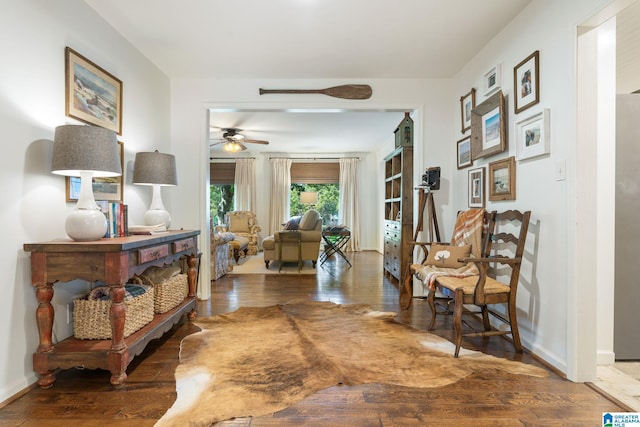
157,214
156,217
87,222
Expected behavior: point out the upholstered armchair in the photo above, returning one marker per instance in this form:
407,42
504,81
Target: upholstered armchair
242,224
220,259
310,228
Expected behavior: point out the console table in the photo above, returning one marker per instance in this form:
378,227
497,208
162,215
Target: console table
113,261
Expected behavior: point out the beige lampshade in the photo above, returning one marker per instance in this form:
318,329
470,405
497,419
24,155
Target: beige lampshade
308,197
78,148
155,168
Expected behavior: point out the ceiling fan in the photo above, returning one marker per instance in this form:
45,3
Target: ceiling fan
233,141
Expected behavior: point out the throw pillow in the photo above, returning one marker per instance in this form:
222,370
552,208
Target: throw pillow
239,222
446,256
293,223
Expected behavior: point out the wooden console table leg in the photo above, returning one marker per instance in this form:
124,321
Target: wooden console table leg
118,357
191,280
44,319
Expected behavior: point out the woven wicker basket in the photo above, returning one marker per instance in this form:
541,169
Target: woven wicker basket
170,293
91,318
167,294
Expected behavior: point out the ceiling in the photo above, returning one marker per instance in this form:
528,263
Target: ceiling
346,40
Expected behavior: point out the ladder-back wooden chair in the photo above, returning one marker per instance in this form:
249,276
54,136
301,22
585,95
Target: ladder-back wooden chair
503,241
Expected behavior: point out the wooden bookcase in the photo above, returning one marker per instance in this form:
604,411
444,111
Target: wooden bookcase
398,201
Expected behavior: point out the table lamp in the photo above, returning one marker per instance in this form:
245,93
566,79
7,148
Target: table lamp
309,197
85,151
156,169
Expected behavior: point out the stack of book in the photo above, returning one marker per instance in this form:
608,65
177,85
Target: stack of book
148,229
117,219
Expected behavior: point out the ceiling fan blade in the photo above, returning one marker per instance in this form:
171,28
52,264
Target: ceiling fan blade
242,146
255,141
217,143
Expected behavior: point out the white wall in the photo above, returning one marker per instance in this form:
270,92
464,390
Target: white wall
34,35
547,278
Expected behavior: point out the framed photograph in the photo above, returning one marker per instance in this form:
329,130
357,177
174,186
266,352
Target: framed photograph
467,103
492,80
476,188
464,153
488,127
93,95
532,136
502,179
526,82
107,189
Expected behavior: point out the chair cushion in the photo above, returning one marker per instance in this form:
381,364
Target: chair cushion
239,242
446,256
239,222
309,220
468,284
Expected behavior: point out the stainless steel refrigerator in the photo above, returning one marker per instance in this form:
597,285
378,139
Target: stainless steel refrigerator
626,339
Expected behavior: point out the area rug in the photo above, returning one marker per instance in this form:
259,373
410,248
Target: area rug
256,361
254,264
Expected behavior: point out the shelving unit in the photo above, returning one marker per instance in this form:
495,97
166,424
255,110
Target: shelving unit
398,202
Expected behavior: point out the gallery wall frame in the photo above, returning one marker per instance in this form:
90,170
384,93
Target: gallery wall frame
492,79
502,179
107,189
488,127
463,150
467,103
92,94
476,187
526,82
533,136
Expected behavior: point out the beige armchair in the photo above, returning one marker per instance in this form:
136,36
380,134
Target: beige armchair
310,228
243,224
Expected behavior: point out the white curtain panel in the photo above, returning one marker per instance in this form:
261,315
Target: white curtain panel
348,206
245,185
280,190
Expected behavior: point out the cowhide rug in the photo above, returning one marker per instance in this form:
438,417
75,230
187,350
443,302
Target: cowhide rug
256,361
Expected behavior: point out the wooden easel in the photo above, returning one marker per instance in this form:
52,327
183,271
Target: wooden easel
425,199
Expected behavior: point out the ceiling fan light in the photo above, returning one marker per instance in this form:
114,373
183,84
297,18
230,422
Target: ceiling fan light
232,147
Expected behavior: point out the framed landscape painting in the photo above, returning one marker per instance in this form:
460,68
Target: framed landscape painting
464,152
488,127
492,79
92,95
502,179
526,83
476,188
467,103
532,136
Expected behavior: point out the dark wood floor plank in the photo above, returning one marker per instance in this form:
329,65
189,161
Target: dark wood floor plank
85,398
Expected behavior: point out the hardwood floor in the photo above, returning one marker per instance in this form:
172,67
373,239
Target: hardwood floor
85,398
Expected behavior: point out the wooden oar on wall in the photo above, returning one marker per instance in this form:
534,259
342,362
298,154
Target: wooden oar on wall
344,91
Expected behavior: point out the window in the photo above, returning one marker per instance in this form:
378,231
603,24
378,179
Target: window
322,178
221,190
328,199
